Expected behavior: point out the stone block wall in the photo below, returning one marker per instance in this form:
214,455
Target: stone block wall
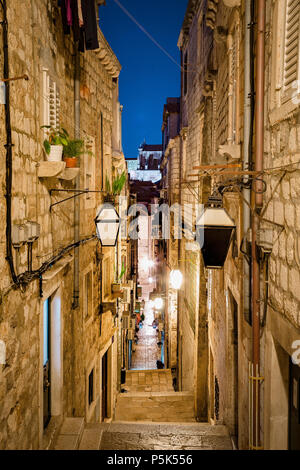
36,40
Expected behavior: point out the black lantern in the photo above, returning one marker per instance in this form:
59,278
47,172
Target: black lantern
107,225
214,232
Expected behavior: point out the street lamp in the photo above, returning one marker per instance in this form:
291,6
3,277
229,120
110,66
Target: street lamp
147,264
214,232
107,225
176,279
158,303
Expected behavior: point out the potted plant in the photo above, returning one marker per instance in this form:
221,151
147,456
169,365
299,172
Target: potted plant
116,287
115,190
73,149
54,144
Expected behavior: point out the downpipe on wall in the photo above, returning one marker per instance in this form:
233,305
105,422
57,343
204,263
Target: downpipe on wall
8,146
77,183
257,202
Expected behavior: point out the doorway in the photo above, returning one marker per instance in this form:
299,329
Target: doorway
105,386
47,363
294,407
233,360
51,359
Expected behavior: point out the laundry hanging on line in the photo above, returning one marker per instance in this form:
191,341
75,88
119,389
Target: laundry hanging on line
80,15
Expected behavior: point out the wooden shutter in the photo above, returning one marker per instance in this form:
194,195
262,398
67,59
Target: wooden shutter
291,50
51,101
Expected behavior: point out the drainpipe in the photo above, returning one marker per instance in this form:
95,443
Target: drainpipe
8,146
248,91
76,200
257,198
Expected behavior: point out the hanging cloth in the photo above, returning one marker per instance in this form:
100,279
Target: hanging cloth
69,12
90,24
62,5
80,14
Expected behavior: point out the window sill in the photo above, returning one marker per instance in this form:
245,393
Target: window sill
57,170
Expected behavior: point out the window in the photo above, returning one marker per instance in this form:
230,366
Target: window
88,295
51,101
233,66
291,66
91,387
89,171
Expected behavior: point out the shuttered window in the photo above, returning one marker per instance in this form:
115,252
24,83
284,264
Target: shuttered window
291,49
233,55
51,101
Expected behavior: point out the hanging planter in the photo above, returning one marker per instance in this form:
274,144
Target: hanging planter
113,192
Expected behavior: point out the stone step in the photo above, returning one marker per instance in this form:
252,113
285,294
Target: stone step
167,436
155,407
91,437
70,434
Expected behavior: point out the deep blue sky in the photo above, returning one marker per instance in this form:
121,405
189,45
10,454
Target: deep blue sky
148,76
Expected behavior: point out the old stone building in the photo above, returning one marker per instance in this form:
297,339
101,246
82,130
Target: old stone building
238,327
58,319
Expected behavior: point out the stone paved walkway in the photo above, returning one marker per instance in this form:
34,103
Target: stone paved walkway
147,352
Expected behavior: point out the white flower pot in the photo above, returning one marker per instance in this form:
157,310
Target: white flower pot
55,154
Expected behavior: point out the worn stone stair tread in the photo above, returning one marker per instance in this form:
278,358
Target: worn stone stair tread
70,434
91,438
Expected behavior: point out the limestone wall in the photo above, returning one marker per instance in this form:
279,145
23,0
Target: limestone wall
36,41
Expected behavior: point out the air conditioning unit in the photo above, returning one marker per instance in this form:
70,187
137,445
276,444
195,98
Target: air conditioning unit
163,193
130,336
126,295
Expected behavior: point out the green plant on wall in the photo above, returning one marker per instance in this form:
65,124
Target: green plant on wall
123,271
74,148
117,185
55,137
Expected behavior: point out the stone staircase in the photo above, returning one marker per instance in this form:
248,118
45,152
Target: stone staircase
141,436
156,407
168,436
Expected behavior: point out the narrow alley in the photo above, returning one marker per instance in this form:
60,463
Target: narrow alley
150,225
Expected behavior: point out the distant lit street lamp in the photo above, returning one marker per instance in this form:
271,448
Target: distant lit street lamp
107,225
176,279
158,303
147,264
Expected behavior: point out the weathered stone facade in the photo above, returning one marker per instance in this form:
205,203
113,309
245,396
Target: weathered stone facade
214,319
81,336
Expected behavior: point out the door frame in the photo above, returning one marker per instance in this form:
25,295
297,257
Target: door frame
109,348
56,356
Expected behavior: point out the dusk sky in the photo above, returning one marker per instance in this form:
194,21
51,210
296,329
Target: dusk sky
148,75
